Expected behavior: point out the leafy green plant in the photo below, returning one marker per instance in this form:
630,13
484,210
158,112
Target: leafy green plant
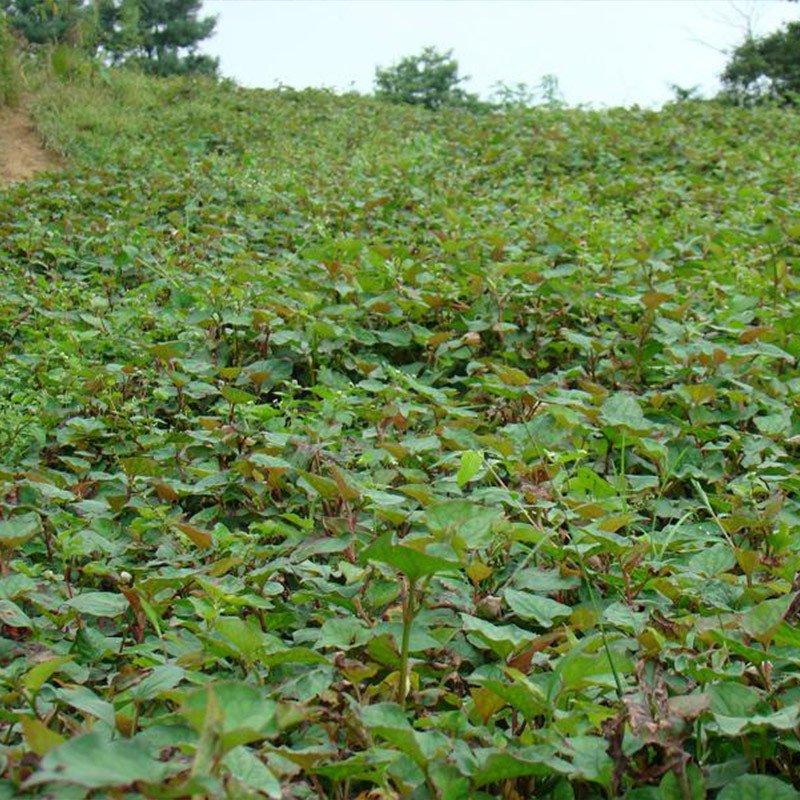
521,95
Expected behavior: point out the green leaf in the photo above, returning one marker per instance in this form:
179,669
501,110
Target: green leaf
778,424
590,759
500,766
11,614
84,699
388,721
712,560
343,633
530,606
521,693
763,619
671,787
246,637
622,410
579,669
249,770
718,775
99,604
161,679
758,787
784,719
237,396
141,466
36,676
38,736
241,712
366,767
16,530
511,376
96,762
732,699
293,655
167,350
503,639
412,563
471,463
323,486
467,522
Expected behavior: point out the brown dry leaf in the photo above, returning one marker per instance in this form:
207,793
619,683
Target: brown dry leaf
200,537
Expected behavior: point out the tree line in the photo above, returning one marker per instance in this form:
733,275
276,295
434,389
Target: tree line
162,37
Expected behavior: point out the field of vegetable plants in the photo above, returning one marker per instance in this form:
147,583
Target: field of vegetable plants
349,450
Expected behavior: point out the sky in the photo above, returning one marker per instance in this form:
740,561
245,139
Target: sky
603,52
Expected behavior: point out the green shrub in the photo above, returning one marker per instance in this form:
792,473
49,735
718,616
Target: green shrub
69,63
10,77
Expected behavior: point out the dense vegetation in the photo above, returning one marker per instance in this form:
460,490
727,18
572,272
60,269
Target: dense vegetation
351,450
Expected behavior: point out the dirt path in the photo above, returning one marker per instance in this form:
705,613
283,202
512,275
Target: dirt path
21,152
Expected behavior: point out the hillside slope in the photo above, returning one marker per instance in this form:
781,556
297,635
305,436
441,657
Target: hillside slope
348,450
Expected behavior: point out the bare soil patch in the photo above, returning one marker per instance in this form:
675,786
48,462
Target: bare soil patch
22,154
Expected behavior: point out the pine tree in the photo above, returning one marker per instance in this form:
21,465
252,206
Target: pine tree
766,68
159,36
44,21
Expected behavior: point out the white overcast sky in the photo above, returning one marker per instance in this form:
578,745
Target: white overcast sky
603,52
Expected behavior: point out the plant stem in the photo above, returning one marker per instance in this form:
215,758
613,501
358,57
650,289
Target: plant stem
403,684
601,627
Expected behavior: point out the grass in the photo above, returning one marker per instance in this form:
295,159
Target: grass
350,450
